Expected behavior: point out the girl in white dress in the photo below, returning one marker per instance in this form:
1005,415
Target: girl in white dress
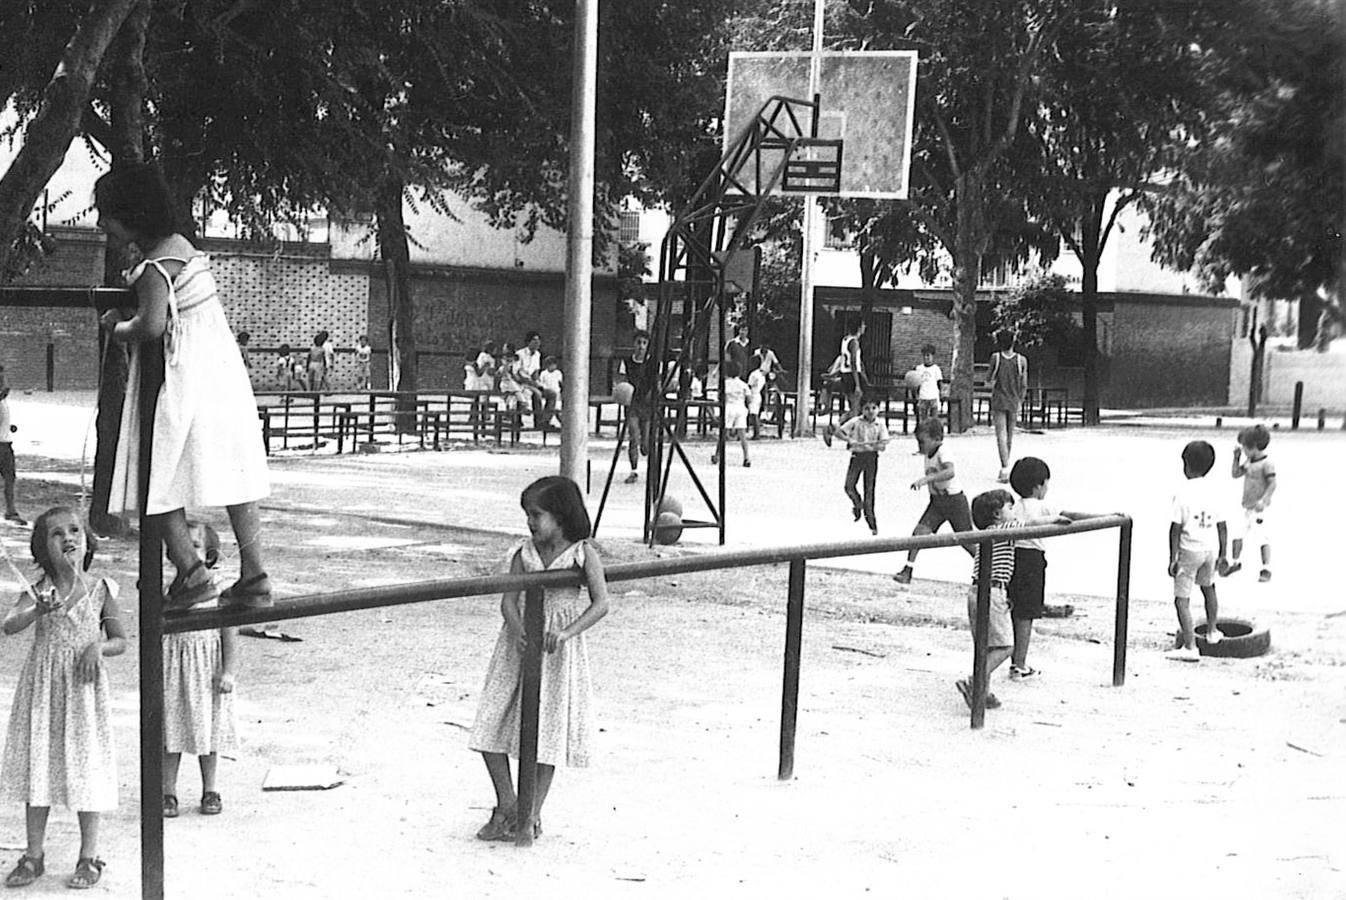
59,746
560,529
207,439
199,672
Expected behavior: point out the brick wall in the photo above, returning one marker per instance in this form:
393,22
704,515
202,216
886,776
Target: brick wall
1169,351
457,309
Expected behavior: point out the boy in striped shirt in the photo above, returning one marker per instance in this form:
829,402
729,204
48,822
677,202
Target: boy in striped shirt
991,510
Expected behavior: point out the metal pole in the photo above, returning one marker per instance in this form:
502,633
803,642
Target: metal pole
1123,604
981,627
789,700
812,216
533,625
151,641
1298,405
579,243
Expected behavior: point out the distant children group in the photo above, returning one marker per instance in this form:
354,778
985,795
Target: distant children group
312,369
530,381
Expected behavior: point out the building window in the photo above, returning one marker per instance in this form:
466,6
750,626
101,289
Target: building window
628,226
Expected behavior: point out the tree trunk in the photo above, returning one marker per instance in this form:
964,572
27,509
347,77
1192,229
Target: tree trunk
126,144
49,134
1091,251
970,241
396,253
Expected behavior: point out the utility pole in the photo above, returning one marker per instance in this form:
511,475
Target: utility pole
579,246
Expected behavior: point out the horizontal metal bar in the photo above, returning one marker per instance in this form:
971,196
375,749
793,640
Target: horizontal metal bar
450,588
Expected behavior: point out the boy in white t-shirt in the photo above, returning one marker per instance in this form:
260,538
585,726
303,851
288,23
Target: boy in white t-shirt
8,471
1030,478
549,381
927,395
1196,548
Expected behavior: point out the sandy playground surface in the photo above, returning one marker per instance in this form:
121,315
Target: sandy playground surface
1220,779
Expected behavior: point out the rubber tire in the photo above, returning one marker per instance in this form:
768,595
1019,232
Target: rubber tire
1248,640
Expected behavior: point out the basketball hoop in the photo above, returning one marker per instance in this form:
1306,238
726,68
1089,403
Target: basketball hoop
814,167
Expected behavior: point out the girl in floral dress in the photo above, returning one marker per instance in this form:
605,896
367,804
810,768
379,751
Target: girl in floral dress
560,529
59,745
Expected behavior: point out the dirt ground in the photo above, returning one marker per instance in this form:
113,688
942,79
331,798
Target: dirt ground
1219,779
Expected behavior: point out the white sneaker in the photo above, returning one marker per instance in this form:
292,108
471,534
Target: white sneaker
1214,636
1184,654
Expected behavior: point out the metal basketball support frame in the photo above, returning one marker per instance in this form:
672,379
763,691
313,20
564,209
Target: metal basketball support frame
693,258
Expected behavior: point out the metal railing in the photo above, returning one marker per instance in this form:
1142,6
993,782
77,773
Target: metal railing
533,584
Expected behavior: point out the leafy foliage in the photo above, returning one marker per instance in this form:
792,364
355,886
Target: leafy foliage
1036,312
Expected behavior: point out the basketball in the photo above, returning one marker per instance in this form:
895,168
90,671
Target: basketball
668,528
623,392
671,504
913,380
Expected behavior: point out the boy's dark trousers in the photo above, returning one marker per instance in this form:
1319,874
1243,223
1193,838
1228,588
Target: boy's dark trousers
866,463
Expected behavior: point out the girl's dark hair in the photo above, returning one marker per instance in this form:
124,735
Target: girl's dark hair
561,497
136,195
320,338
987,504
38,542
1027,474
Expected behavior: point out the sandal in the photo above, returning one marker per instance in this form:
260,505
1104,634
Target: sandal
247,593
170,806
28,870
964,686
182,595
211,803
87,872
499,828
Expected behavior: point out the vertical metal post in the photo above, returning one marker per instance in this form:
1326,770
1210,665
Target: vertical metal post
1298,405
533,625
789,701
981,627
51,367
1123,604
580,240
151,640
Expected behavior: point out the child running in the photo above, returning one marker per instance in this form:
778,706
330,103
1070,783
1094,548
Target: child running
1196,547
992,510
207,448
866,437
1030,477
1259,484
947,501
560,529
735,410
59,747
199,671
8,473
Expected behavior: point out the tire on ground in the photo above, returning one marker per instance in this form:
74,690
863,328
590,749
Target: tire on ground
1242,639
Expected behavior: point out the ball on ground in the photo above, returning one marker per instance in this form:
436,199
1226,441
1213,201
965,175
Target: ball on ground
623,392
671,504
668,528
912,380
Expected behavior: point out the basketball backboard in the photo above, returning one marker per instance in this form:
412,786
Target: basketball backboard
868,101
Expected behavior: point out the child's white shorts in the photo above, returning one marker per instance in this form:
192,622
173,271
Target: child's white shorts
1195,567
1256,527
735,417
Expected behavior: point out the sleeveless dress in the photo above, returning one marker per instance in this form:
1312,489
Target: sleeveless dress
563,710
197,718
59,748
207,438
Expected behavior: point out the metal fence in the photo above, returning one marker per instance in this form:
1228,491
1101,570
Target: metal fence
533,584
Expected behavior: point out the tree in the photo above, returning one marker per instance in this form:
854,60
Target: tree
1123,92
1263,194
978,74
1037,312
55,120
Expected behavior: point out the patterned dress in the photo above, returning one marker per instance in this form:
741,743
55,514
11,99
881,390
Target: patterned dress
563,710
198,719
207,439
59,746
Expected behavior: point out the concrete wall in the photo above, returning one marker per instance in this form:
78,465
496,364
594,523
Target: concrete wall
1169,351
1323,375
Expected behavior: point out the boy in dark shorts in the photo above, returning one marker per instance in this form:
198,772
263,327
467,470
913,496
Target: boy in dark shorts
991,510
947,503
1027,588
